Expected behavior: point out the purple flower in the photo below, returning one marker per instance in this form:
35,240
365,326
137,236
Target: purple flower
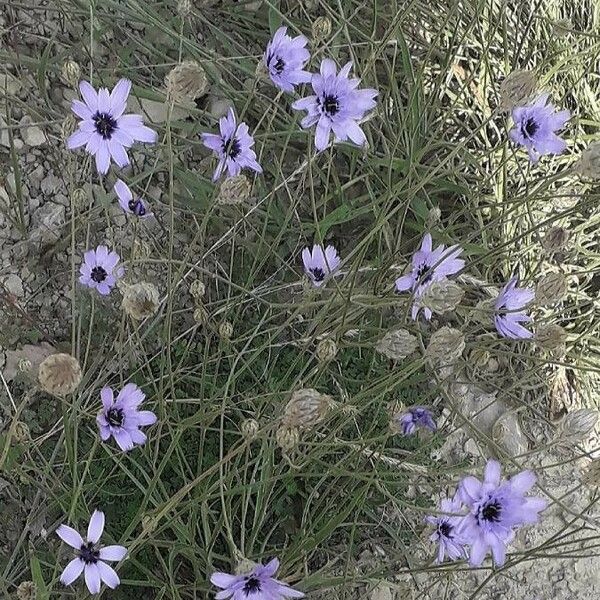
495,509
131,205
259,584
104,130
121,417
428,266
99,269
509,314
535,125
447,530
285,58
320,265
415,417
336,106
233,147
90,556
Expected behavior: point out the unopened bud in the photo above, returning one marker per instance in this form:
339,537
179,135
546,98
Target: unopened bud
71,73
433,217
140,300
287,438
550,336
442,296
446,346
551,288
186,82
516,89
59,374
234,190
68,127
589,163
556,239
197,289
27,590
79,198
306,408
326,350
24,365
507,433
482,360
577,425
321,28
201,315
397,344
225,330
21,432
184,8
249,429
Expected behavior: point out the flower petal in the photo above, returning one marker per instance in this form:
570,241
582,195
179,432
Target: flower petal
108,575
96,526
69,536
92,578
72,571
113,552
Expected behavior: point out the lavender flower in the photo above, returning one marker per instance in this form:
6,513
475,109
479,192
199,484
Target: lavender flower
131,205
259,584
535,125
285,58
416,417
428,266
495,509
233,147
90,556
121,417
336,106
509,314
447,530
320,265
99,270
104,130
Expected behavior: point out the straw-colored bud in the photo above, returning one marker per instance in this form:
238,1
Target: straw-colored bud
225,330
321,28
244,566
482,360
24,365
186,82
433,217
577,425
68,127
59,374
507,433
184,8
287,437
551,288
140,300
516,89
326,350
446,346
306,408
79,198
234,190
197,289
556,239
21,432
397,344
149,524
200,315
550,336
249,429
442,296
141,249
27,591
589,163
71,73
591,475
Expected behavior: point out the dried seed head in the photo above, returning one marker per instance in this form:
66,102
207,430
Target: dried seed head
551,288
225,330
326,350
433,217
21,432
249,429
24,365
556,239
59,374
589,163
397,344
482,360
287,437
197,289
140,300
577,425
79,199
71,73
508,434
234,190
306,408
149,523
68,127
140,249
186,82
591,475
442,296
446,346
321,28
200,315
550,336
516,89
184,8
26,591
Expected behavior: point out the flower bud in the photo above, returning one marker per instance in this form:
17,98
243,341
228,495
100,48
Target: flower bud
556,239
591,475
24,365
550,336
201,316
482,360
326,350
26,591
589,163
516,89
71,73
79,198
186,82
225,330
149,524
397,344
442,296
577,425
197,289
433,217
446,346
59,374
140,300
184,8
306,408
21,432
234,190
140,249
249,429
551,288
321,28
68,127
507,433
287,438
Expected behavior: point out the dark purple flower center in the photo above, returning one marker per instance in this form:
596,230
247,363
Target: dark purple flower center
89,554
136,206
445,529
491,511
232,148
530,127
115,417
330,104
105,124
99,274
424,274
318,274
278,65
251,586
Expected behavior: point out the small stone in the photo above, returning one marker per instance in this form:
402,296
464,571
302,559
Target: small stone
32,134
47,223
14,285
